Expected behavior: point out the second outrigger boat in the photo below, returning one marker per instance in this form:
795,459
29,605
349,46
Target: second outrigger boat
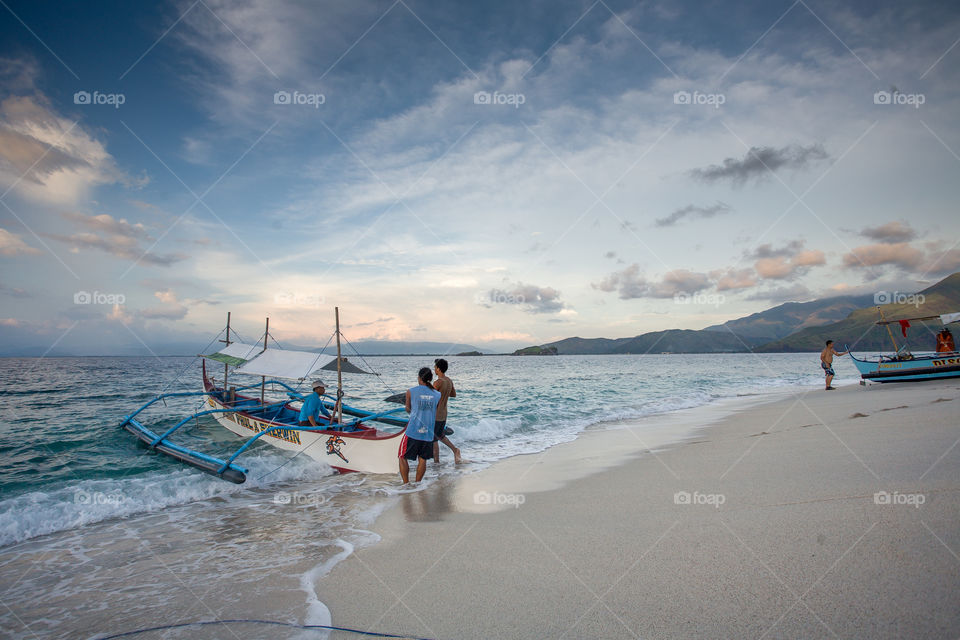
904,366
348,439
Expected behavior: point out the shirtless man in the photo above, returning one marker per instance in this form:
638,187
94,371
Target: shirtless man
826,362
445,386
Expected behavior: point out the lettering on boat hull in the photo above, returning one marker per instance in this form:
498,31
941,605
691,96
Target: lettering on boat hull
256,426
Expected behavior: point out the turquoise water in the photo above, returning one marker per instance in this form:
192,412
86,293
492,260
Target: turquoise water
93,527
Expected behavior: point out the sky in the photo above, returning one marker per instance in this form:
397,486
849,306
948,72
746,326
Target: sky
498,174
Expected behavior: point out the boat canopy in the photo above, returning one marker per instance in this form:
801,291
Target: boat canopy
945,318
279,363
235,354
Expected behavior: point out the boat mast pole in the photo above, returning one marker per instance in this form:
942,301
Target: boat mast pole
263,379
339,406
896,349
226,367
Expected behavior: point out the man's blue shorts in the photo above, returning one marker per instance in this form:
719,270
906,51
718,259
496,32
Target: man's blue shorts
827,369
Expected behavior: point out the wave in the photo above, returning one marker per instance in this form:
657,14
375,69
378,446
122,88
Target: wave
90,501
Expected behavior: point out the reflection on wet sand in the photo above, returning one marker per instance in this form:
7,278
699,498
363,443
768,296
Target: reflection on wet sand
428,504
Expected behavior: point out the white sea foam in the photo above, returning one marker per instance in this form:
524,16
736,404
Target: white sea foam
89,501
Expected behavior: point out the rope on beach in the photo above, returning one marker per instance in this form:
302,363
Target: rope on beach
127,634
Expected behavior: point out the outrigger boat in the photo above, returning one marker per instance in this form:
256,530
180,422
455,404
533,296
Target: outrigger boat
904,366
348,438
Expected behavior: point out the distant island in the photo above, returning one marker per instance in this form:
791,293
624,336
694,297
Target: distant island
536,351
470,353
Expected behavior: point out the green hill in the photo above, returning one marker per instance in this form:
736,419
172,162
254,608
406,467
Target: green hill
860,331
790,317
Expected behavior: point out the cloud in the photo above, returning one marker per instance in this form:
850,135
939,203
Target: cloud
890,232
48,157
11,245
693,211
759,161
899,254
379,320
529,297
630,283
732,279
116,237
15,292
786,262
170,308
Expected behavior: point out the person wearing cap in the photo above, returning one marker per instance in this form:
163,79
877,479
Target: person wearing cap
313,406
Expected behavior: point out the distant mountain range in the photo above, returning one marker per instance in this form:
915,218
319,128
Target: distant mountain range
792,326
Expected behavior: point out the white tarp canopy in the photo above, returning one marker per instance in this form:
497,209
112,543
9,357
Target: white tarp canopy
281,363
947,318
241,350
235,354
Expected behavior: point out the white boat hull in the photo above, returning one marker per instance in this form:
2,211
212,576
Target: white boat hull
366,451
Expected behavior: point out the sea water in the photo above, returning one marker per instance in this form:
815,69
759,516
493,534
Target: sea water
96,532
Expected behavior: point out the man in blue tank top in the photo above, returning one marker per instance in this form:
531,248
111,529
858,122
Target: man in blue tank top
417,442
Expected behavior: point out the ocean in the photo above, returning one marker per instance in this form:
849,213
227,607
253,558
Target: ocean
97,533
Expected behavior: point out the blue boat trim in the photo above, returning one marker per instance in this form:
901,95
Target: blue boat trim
206,463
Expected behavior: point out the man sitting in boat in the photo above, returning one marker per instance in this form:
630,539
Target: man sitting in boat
313,406
945,342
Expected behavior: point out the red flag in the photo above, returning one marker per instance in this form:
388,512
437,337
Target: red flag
904,324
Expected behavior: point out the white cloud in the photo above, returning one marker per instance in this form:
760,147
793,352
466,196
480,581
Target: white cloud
49,158
11,245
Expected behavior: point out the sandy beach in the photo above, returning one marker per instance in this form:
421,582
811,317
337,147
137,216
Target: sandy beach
815,515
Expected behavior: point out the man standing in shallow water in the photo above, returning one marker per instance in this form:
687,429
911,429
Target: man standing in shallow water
826,362
417,442
445,386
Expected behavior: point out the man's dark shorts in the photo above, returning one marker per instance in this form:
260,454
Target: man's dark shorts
827,368
411,449
438,428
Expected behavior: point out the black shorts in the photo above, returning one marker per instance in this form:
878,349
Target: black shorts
411,449
438,428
